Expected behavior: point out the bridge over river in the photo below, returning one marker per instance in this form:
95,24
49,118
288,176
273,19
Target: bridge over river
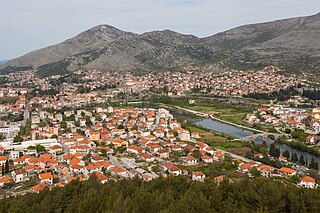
264,135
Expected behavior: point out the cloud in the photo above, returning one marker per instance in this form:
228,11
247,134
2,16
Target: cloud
30,24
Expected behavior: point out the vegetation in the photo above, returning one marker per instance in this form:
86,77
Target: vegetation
38,147
25,129
312,94
177,194
282,95
17,139
299,145
10,100
13,118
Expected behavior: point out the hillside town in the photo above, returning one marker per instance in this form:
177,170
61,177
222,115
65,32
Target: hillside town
188,81
289,119
48,140
159,106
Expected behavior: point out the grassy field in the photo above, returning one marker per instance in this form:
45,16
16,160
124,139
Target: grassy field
215,139
224,111
226,144
206,135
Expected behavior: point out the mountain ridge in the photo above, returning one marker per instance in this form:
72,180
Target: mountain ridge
291,43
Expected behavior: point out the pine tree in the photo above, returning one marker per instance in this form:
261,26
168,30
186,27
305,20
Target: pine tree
295,157
274,151
249,155
286,154
313,164
316,166
7,167
301,160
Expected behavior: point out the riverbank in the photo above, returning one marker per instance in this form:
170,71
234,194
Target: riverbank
218,119
300,146
210,122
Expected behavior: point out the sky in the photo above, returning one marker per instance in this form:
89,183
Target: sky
27,25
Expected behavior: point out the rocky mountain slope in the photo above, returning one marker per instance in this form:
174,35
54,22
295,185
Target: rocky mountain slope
293,43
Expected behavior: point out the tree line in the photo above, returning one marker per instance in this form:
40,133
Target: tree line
313,94
275,152
177,194
281,95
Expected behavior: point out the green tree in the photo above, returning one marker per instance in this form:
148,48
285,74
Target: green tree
17,139
294,157
274,151
249,155
301,160
227,165
263,151
314,174
196,153
103,152
31,147
42,124
173,194
82,114
313,164
40,148
2,136
6,169
135,127
255,172
54,136
286,154
88,121
63,125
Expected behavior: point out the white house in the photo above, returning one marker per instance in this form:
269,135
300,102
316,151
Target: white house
308,182
172,169
19,175
3,160
14,155
198,176
46,178
5,129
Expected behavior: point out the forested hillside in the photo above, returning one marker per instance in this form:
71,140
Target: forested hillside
177,194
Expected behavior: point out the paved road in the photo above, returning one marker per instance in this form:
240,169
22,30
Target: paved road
115,161
65,150
26,113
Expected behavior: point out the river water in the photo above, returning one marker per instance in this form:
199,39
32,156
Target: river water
238,132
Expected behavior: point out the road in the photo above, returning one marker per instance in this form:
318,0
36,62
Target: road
65,150
26,113
115,161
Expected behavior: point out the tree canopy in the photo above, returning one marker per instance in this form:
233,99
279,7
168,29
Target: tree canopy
178,194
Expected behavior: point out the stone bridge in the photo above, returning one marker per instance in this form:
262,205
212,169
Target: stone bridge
264,136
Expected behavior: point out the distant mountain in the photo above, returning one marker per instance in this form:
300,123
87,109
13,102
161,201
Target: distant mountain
3,62
293,43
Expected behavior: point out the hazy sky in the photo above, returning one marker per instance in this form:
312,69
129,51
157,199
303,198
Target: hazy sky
26,25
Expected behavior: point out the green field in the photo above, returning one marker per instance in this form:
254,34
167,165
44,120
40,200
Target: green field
225,112
226,144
